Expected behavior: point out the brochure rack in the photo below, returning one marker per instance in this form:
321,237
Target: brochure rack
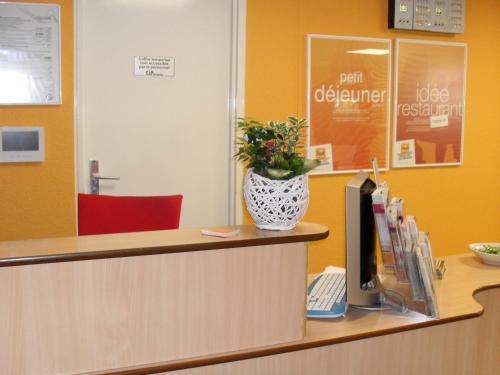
409,267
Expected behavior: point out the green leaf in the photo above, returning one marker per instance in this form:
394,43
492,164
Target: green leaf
278,174
310,164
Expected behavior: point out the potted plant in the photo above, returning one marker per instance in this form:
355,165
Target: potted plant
276,186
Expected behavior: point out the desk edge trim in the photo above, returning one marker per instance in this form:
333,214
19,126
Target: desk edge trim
156,250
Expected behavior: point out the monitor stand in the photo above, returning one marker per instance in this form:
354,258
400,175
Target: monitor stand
366,296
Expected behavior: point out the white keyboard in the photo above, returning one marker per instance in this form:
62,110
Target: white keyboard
327,295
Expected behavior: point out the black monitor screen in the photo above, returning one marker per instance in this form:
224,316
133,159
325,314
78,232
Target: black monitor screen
368,261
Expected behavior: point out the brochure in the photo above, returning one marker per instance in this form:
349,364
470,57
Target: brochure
379,203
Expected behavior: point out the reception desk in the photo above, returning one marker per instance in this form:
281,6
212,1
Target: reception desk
103,324
94,303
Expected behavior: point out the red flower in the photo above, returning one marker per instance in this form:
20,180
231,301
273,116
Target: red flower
269,144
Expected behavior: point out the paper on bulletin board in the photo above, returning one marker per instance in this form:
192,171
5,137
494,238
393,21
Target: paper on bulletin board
429,102
30,59
348,101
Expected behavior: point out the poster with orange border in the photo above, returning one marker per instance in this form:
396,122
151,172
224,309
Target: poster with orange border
429,103
348,102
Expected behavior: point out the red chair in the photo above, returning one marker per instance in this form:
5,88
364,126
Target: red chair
101,214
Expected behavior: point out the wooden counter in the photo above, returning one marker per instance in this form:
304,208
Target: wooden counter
180,303
465,340
93,303
67,249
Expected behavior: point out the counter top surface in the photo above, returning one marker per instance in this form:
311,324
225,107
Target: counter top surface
465,275
50,250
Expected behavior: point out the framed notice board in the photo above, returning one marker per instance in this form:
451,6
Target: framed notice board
30,58
429,103
348,98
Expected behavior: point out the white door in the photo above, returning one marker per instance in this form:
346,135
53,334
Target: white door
160,135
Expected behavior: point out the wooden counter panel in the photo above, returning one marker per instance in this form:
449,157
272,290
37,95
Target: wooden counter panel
50,250
465,276
464,347
488,334
439,350
72,317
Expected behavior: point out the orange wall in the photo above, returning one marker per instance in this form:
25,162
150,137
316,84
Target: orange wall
457,205
38,199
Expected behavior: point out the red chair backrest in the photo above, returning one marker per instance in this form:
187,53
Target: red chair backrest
101,214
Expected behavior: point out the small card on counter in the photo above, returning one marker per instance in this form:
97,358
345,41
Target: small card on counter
220,232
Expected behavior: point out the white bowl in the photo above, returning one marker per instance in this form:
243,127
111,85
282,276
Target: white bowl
492,259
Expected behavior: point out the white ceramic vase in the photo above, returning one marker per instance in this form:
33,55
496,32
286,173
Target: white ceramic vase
276,204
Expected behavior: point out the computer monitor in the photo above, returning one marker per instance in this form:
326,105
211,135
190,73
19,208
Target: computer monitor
363,287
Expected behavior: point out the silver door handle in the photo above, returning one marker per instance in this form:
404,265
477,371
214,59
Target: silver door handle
95,177
99,177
